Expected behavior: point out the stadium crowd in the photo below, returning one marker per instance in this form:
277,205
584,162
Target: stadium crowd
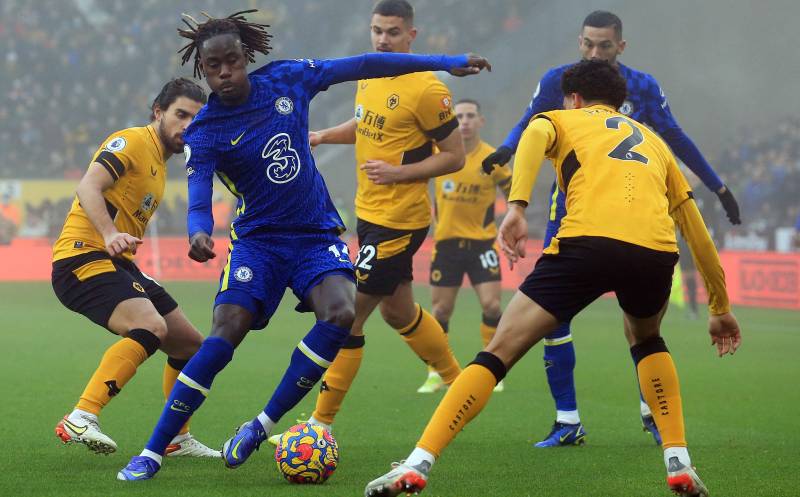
73,72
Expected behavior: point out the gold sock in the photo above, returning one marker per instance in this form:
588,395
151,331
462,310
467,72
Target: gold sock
658,381
168,381
462,402
487,332
117,366
428,340
337,382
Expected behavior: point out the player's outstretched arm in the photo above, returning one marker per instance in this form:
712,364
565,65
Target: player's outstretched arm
513,232
380,65
342,134
722,325
90,194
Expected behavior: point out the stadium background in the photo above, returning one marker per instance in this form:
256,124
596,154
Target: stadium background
73,71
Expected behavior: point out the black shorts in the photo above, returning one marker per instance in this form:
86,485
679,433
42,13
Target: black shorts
586,267
385,257
456,256
94,283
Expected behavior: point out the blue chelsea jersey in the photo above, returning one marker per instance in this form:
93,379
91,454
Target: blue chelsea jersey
645,103
260,152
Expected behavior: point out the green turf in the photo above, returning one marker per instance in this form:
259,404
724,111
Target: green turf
741,411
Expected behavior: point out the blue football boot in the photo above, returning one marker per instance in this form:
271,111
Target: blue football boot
564,434
649,424
140,468
247,439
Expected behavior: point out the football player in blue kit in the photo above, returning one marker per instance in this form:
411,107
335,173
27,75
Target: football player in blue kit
253,134
601,38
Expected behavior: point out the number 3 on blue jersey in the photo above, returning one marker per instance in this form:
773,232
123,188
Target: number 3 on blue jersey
284,162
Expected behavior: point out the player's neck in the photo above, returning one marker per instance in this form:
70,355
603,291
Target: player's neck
470,144
165,153
240,100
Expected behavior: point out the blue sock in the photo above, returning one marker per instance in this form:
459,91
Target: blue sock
310,359
190,391
559,364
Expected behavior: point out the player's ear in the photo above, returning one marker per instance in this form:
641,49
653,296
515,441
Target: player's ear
412,33
621,46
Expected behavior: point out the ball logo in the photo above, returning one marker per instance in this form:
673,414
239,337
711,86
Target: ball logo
446,102
116,144
284,162
626,108
243,274
187,153
359,112
284,105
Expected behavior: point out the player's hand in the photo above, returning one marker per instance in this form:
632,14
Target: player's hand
499,157
117,243
513,234
475,63
382,173
314,138
201,247
730,205
725,333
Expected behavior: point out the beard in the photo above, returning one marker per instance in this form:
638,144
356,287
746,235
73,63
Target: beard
172,144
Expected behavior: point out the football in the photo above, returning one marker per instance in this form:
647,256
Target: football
307,454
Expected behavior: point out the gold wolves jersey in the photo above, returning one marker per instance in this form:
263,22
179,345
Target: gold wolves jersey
398,119
465,199
620,179
135,159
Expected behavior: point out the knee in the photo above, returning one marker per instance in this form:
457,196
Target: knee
395,318
442,312
155,324
340,313
491,310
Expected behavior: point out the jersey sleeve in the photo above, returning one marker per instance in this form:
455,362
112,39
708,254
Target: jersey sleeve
327,72
434,111
200,167
118,153
659,116
678,189
546,97
538,141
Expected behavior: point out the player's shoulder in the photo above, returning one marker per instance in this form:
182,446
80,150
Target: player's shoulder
285,67
637,78
552,77
426,81
126,139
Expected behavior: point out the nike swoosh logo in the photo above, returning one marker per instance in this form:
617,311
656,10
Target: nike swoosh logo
172,407
153,171
138,474
77,429
236,449
234,142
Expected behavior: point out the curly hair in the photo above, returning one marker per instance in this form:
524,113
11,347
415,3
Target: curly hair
254,36
595,80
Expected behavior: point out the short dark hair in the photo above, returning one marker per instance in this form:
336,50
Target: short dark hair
178,87
469,101
604,19
595,80
395,8
254,36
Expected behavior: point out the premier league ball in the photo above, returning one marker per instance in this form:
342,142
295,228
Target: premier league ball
307,454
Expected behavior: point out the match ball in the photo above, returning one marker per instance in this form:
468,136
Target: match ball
307,454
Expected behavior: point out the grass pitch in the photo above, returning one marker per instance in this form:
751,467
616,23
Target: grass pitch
741,420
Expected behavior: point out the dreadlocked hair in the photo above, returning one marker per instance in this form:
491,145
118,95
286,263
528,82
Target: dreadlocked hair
254,36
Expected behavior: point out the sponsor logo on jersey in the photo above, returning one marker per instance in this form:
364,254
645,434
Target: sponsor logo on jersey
446,102
359,112
284,105
284,162
243,274
116,144
448,186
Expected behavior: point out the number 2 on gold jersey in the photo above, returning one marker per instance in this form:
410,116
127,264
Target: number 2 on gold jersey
624,151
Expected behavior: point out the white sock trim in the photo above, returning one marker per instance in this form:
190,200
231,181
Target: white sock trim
418,456
152,455
77,414
314,421
644,408
568,417
682,453
267,423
